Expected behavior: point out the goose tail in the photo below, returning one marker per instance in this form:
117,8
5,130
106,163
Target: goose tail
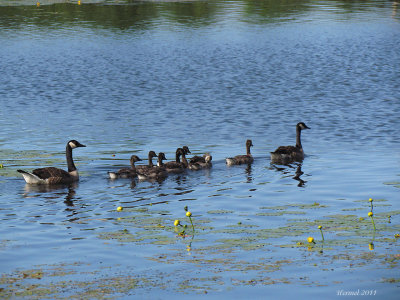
31,178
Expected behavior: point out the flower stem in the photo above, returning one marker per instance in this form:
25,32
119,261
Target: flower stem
190,218
373,223
322,234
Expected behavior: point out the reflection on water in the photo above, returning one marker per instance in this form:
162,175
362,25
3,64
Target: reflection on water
291,170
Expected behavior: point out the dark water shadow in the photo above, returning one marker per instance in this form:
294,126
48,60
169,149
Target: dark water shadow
53,191
291,170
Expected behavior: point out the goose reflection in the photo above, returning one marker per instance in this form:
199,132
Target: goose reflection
248,171
287,171
55,191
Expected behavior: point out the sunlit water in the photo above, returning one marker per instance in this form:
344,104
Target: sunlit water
126,78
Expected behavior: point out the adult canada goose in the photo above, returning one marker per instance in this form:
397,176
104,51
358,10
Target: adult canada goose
126,172
141,168
200,162
175,166
157,172
242,159
287,154
51,175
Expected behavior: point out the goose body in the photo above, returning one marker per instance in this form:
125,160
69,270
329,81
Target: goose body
52,175
156,172
200,162
143,168
287,154
126,172
175,166
242,159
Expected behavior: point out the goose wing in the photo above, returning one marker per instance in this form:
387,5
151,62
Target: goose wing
49,172
197,159
286,150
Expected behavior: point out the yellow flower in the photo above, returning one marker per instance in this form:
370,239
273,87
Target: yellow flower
177,222
371,246
370,214
119,208
397,235
188,214
370,199
310,239
319,227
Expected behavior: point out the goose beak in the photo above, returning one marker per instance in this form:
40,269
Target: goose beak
80,145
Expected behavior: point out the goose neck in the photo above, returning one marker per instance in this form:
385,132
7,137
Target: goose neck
70,161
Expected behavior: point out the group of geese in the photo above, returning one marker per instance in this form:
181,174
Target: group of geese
52,175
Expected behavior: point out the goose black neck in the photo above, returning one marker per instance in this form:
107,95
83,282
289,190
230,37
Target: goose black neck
177,156
70,161
298,139
150,160
248,149
133,167
184,161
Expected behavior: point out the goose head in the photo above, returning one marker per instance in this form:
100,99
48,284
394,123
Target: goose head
249,143
75,144
152,154
134,159
161,157
302,126
186,149
207,157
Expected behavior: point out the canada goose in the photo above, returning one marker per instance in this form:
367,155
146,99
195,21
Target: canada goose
157,172
242,159
287,154
200,162
175,166
183,157
51,175
150,165
126,172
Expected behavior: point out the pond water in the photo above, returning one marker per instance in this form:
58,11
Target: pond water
126,77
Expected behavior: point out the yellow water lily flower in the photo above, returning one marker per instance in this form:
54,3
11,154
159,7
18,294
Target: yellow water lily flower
370,199
370,214
310,240
371,246
119,208
188,214
177,223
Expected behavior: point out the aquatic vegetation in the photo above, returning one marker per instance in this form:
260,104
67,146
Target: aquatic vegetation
322,234
371,246
371,215
310,240
120,208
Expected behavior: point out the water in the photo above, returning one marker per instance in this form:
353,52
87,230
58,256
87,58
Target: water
126,77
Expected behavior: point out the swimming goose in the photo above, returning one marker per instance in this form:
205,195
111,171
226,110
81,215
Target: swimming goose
126,172
141,168
175,166
51,175
200,162
157,172
183,157
242,159
287,154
